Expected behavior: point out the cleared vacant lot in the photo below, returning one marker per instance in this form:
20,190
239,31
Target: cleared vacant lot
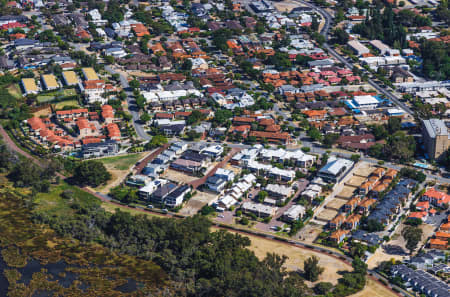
119,167
178,176
197,202
364,170
336,203
310,232
296,257
374,289
356,181
327,214
346,193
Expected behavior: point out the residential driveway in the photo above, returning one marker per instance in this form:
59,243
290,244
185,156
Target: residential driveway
275,222
196,183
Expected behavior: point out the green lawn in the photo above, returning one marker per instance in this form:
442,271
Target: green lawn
58,93
122,162
61,104
54,203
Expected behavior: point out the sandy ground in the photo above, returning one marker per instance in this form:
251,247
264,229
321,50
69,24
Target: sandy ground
197,202
297,256
356,181
381,256
43,112
117,176
346,193
285,6
374,289
310,232
327,214
364,170
336,203
178,176
397,240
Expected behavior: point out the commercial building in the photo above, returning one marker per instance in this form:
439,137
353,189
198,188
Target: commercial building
49,81
363,102
380,46
358,48
435,138
335,169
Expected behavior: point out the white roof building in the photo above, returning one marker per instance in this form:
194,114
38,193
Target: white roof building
227,201
294,213
279,190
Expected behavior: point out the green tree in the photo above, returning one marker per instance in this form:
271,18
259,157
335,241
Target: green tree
187,65
145,117
91,173
412,235
323,288
262,195
340,36
156,141
330,139
394,124
315,134
312,269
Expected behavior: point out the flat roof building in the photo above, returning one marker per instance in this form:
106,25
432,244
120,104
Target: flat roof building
90,74
435,138
335,169
70,78
383,48
29,86
294,213
49,81
358,47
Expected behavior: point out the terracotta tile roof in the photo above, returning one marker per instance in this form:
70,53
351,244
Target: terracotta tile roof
36,123
270,135
266,122
243,120
113,130
315,113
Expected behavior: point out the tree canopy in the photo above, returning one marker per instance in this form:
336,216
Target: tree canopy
92,173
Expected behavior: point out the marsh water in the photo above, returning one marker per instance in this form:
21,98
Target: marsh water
58,273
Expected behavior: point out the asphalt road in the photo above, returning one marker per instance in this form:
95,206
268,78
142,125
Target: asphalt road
132,107
325,32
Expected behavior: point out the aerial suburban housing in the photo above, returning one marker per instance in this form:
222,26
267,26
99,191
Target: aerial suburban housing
320,124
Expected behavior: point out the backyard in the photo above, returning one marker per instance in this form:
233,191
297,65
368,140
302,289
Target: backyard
47,97
62,104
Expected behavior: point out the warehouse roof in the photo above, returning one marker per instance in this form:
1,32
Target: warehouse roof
90,74
50,81
70,77
29,84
